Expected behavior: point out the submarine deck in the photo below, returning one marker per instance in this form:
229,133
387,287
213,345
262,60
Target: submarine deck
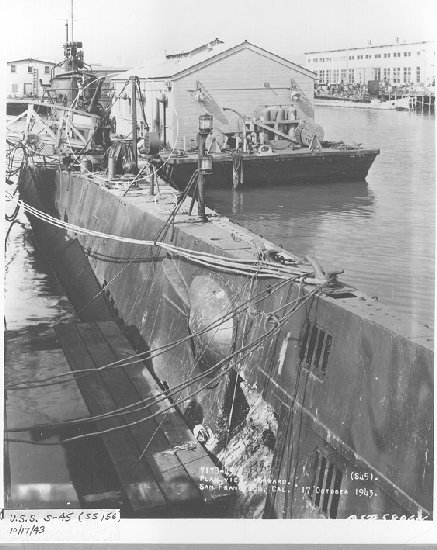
230,239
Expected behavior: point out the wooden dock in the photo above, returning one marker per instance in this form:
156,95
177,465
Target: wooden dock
166,481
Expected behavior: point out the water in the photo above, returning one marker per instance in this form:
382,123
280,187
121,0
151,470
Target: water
37,476
381,232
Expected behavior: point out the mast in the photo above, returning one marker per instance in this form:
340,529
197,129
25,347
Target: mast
134,119
71,21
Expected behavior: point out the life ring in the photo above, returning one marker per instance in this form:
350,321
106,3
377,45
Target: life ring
265,150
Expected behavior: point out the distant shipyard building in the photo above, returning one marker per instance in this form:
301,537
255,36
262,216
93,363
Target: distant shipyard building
181,86
395,64
28,77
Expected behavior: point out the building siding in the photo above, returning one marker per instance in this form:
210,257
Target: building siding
237,81
122,109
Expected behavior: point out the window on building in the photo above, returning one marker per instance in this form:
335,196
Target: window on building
336,75
13,68
407,75
328,76
47,69
418,53
397,54
396,75
378,73
321,76
377,55
315,60
368,56
351,76
387,74
29,68
343,75
387,55
418,75
359,57
407,54
328,59
351,57
322,59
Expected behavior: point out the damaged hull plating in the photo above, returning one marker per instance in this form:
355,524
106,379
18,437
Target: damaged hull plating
330,417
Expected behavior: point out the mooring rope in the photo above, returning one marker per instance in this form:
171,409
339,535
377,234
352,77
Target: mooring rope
205,259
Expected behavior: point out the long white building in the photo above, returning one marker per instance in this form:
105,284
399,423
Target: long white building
396,64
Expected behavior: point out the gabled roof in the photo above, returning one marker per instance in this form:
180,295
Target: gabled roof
194,49
32,59
174,68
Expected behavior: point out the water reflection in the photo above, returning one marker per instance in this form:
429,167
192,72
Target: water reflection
297,200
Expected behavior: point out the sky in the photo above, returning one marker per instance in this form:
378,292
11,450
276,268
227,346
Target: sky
125,32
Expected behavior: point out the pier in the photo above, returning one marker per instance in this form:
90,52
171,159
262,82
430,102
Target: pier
156,464
423,103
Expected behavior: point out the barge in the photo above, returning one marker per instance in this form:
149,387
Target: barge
273,148
284,167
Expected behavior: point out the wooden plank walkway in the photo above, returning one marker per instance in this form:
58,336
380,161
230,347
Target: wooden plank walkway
169,473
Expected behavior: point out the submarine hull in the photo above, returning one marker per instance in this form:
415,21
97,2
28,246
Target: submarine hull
329,417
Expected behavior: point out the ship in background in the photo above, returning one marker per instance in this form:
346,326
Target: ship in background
317,397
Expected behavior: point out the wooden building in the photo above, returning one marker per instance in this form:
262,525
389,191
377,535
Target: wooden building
177,89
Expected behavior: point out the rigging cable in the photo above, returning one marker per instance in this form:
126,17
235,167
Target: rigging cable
213,261
150,354
248,350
